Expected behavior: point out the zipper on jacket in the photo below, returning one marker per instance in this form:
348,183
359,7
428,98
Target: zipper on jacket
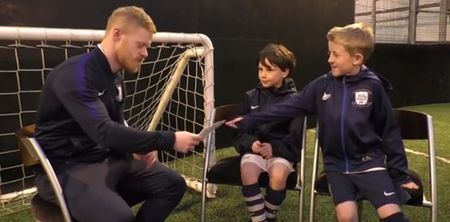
342,127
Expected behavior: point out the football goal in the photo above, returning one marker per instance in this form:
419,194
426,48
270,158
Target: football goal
173,90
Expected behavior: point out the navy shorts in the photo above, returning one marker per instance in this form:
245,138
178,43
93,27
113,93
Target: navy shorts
376,186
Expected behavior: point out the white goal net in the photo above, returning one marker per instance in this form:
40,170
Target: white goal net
173,90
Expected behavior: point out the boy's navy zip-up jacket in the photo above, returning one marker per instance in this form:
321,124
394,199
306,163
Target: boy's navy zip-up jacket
284,136
357,126
80,114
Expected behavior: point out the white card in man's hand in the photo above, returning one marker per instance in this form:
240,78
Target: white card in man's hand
206,131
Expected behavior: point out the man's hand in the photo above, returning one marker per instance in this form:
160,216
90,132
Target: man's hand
149,158
410,185
232,123
186,141
266,151
256,146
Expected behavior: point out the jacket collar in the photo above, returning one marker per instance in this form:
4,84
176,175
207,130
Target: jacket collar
288,86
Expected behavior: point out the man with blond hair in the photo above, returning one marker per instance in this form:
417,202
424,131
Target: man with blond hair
103,166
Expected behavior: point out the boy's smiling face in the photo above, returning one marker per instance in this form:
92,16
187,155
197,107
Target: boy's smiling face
341,61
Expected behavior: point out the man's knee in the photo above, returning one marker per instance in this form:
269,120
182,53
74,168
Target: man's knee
181,185
177,185
397,217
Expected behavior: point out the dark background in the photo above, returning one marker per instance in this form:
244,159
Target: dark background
240,28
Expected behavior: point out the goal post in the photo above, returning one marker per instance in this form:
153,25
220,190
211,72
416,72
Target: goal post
173,82
173,90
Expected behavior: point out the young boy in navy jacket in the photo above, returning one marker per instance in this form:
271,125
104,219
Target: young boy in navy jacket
272,147
363,152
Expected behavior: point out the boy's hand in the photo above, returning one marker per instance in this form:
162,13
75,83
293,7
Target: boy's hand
266,151
410,185
233,123
256,146
186,141
149,158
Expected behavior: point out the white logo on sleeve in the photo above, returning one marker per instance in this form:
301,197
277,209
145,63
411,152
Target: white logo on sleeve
326,96
101,93
388,194
254,107
119,93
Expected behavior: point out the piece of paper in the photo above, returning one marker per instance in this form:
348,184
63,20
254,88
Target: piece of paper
206,131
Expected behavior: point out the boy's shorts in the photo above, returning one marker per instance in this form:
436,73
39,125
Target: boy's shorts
375,186
263,163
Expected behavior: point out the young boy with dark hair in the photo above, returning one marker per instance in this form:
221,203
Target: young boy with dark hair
272,147
363,152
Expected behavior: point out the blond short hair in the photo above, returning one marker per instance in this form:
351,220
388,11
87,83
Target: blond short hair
124,16
356,38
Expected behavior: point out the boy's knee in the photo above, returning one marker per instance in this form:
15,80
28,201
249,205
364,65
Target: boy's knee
347,217
397,217
277,183
347,211
249,173
249,169
387,210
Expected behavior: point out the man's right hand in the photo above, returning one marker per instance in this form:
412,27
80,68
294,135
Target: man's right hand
186,141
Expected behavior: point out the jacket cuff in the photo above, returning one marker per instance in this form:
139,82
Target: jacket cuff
276,148
247,143
399,177
167,140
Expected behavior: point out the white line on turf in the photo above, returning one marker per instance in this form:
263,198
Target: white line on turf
426,155
412,151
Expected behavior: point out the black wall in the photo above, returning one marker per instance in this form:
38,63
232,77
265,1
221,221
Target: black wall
238,29
420,73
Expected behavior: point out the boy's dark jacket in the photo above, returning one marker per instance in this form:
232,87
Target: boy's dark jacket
357,126
284,136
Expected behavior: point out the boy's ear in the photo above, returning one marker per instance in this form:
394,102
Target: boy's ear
286,73
358,59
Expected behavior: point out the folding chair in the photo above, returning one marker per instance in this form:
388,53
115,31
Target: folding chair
413,126
33,155
227,170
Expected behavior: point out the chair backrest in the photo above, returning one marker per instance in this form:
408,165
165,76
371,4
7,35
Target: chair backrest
32,154
419,126
226,112
413,125
224,135
27,152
